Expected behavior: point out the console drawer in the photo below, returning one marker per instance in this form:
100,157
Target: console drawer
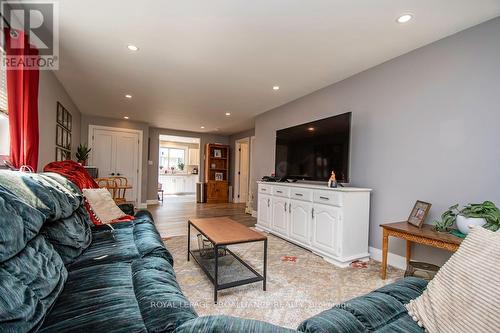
281,191
301,194
328,197
265,188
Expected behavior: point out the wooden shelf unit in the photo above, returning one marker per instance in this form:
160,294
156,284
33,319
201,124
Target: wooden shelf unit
217,190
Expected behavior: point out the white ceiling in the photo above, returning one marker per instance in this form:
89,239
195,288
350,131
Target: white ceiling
200,59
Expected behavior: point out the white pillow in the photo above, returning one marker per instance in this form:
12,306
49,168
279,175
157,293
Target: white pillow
102,204
464,296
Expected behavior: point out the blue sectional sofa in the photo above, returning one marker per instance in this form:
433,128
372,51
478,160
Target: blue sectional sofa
59,273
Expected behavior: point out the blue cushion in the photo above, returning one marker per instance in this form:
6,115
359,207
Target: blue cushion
19,223
51,194
120,297
127,242
30,284
70,236
382,310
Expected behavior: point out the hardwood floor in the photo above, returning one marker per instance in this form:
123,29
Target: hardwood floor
172,215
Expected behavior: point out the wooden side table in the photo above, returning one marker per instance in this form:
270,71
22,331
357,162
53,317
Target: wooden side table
410,233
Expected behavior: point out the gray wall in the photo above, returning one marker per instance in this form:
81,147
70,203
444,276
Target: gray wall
232,144
154,134
122,123
426,126
50,92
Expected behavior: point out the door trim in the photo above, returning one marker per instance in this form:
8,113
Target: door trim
139,160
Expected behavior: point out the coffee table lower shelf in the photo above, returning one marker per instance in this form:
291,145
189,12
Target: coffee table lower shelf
229,270
232,271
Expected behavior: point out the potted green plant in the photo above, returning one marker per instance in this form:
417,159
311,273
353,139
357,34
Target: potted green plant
180,165
485,214
82,154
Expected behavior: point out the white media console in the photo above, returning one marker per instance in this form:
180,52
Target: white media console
331,222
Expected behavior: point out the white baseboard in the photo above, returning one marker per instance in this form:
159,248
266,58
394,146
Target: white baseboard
254,213
394,260
142,205
152,202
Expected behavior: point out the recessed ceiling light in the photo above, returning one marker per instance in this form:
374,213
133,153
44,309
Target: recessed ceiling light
202,127
276,87
132,47
404,18
126,117
128,96
228,114
310,129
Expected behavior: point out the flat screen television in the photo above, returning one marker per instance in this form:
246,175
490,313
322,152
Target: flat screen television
311,151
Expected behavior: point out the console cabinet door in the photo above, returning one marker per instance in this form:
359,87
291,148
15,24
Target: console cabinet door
300,220
264,210
279,219
325,228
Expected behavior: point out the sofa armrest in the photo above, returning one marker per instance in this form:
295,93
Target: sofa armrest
127,208
228,324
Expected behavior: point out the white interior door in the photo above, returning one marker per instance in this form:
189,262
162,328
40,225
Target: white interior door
242,171
117,153
127,160
102,152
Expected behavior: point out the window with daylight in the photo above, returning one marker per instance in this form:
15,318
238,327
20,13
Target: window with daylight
172,158
4,118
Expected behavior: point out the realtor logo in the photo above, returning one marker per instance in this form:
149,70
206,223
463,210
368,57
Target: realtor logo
30,34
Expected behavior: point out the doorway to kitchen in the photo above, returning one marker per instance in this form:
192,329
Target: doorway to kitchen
179,169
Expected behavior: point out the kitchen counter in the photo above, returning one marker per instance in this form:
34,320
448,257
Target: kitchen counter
178,183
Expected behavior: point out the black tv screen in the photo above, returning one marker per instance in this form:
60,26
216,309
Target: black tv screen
311,151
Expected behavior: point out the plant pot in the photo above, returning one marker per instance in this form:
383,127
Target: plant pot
464,223
82,162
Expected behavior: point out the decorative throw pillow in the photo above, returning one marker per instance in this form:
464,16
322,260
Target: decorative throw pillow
102,204
464,296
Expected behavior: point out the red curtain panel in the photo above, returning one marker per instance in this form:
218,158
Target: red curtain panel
22,95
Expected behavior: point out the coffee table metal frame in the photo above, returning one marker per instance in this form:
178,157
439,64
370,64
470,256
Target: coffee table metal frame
258,277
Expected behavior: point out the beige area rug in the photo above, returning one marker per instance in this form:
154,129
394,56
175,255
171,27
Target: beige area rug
300,284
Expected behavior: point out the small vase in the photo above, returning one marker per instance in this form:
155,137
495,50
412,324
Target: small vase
464,223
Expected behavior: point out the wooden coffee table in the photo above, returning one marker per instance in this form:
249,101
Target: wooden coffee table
229,270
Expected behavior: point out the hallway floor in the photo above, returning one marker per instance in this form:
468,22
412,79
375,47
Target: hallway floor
172,215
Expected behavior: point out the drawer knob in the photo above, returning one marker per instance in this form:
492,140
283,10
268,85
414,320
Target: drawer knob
324,198
279,191
298,194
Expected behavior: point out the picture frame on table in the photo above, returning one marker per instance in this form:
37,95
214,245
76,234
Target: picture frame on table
218,153
419,213
219,176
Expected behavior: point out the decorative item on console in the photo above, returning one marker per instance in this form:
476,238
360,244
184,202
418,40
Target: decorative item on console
332,182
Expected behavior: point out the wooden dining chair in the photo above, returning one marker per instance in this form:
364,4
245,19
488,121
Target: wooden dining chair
105,183
120,187
160,192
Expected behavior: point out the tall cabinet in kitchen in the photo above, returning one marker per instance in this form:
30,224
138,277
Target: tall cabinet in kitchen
217,172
